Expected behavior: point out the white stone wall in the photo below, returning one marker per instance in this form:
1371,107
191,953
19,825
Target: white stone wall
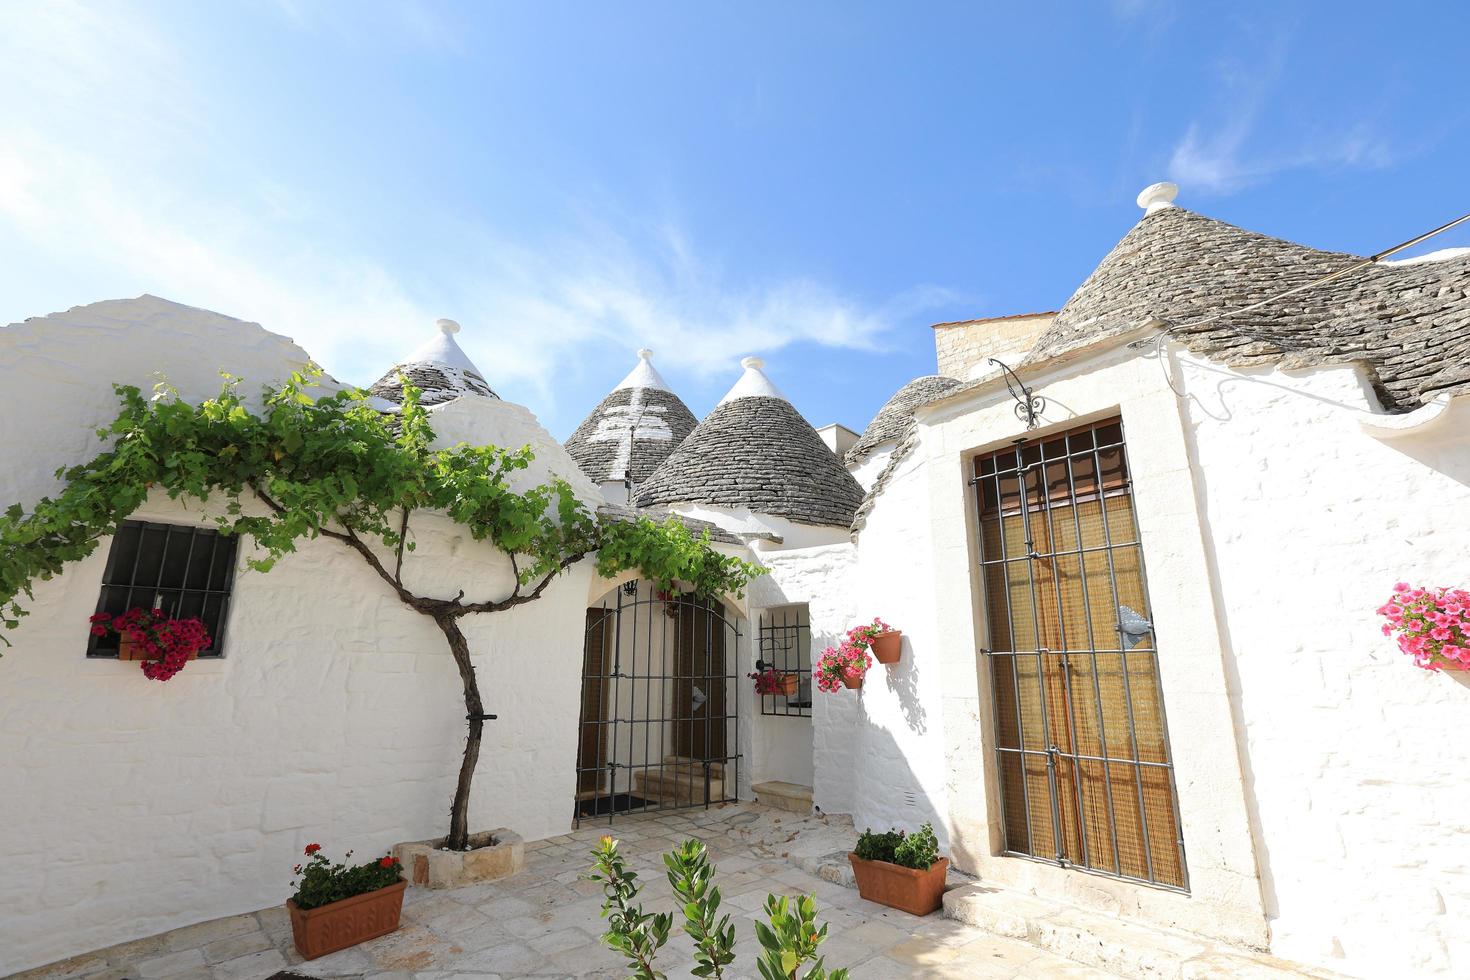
1353,755
336,715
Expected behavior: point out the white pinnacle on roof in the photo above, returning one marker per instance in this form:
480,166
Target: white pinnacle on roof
645,375
1156,197
753,383
439,368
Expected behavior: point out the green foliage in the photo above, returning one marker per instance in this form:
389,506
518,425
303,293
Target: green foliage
636,935
791,939
331,465
878,847
917,850
322,882
690,875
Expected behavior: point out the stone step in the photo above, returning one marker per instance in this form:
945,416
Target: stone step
1120,947
693,766
675,786
784,796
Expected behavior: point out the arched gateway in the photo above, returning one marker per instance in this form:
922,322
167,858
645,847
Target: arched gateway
659,726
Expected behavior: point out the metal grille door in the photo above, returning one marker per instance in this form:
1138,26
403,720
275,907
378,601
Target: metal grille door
1082,746
660,704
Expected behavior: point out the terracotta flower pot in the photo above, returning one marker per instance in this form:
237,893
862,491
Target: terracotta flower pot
129,650
335,926
887,647
789,684
852,683
906,889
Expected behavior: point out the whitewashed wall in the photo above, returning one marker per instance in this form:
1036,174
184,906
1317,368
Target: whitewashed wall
336,716
1354,756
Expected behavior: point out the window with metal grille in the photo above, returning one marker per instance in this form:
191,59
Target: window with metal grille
784,649
185,571
1086,776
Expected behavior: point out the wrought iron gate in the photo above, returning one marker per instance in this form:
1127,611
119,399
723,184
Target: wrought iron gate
1086,774
659,726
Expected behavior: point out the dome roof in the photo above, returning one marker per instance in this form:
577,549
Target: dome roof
756,452
897,414
1408,321
633,429
439,368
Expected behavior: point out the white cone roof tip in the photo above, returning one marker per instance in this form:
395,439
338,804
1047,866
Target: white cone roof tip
645,375
753,383
442,349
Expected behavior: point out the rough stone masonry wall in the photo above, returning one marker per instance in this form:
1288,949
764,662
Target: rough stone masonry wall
1354,757
962,348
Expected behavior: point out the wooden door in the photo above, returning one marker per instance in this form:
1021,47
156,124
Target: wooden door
592,756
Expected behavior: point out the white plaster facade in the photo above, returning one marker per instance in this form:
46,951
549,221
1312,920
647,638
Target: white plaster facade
335,716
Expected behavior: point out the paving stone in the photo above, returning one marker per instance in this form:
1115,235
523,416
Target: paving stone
252,967
193,936
228,949
172,964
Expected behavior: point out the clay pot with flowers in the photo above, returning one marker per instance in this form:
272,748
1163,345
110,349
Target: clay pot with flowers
341,905
1433,625
161,643
769,680
842,666
877,636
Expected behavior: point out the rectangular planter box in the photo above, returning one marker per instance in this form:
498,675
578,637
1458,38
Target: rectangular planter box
328,928
906,889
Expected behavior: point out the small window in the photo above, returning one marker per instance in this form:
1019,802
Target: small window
786,649
185,571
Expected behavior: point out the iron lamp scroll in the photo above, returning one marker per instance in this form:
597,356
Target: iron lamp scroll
1029,405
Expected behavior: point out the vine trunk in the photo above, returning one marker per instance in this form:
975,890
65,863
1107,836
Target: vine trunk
459,810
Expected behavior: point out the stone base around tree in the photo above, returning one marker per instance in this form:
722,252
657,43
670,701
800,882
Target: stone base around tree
493,854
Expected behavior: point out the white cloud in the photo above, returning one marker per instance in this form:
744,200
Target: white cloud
1231,151
115,169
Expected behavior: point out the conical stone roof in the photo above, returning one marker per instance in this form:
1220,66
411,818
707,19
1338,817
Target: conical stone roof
1409,321
756,452
439,368
633,429
897,414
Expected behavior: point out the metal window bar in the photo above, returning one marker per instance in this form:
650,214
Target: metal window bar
784,647
187,571
998,476
659,726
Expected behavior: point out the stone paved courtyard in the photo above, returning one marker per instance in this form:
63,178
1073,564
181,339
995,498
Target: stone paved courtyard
544,921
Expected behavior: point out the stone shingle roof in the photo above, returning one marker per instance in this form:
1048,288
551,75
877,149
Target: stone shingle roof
439,368
630,433
897,414
1408,323
757,452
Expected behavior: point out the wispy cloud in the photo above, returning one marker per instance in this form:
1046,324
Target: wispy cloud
1241,143
112,165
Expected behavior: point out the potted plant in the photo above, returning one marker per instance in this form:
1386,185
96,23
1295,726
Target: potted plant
902,871
1433,625
771,681
885,641
337,905
163,644
843,666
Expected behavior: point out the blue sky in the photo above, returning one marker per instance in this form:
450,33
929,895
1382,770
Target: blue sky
815,183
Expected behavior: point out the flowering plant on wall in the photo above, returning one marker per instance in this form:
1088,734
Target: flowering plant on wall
163,644
772,681
863,636
842,666
1433,625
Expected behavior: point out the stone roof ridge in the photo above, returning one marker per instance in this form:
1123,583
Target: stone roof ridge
896,417
753,383
1408,322
439,367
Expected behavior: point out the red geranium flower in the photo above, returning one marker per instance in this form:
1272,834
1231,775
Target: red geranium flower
387,862
312,849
